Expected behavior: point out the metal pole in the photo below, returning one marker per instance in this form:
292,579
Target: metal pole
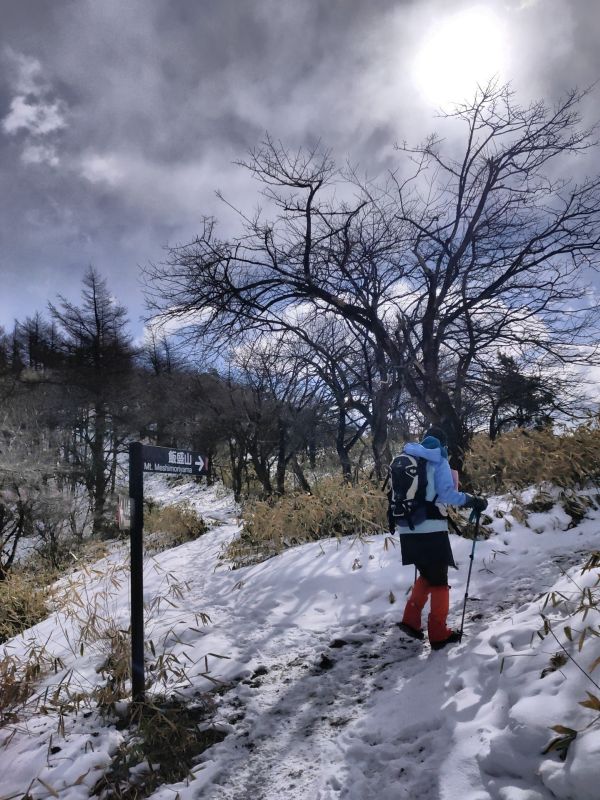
136,493
472,556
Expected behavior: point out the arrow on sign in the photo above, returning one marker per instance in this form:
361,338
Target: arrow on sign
199,463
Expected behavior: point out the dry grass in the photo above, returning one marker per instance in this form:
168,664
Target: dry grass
169,526
20,677
164,741
523,457
512,462
27,592
23,603
333,509
88,604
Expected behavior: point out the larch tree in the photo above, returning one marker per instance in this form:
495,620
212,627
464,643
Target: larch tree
96,358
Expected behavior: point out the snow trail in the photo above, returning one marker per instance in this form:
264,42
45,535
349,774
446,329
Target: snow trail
289,716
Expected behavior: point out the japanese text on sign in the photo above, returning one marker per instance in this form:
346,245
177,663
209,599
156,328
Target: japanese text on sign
172,461
180,457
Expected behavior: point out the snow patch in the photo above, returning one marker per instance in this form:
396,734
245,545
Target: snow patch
321,693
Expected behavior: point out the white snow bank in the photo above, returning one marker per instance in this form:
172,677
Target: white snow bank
211,502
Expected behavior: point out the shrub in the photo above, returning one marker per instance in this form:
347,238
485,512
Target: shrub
169,526
23,599
523,457
88,605
334,508
19,677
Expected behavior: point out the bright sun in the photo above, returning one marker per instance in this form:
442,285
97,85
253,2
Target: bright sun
460,51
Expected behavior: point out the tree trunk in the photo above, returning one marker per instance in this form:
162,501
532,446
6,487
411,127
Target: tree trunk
237,469
449,420
382,400
312,446
210,473
299,473
340,446
261,468
113,468
98,469
494,426
281,459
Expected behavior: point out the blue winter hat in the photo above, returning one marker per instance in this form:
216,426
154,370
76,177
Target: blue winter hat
433,443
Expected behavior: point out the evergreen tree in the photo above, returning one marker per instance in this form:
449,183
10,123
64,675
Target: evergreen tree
519,400
96,361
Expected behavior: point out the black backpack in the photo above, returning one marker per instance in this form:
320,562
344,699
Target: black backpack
407,494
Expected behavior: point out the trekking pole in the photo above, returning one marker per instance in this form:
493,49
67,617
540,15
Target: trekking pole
475,515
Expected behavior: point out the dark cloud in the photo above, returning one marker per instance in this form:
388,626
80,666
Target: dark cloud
120,119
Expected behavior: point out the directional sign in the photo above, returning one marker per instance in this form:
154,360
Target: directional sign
146,458
170,461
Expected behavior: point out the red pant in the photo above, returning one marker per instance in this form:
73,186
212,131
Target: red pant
440,603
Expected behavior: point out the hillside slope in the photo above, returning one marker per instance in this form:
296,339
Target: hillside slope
320,694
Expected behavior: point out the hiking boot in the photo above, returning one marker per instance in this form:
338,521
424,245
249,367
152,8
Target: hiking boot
414,632
452,639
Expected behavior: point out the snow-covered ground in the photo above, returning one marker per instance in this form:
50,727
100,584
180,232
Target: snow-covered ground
321,695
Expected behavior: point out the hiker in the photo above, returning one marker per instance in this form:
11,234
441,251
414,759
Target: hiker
422,486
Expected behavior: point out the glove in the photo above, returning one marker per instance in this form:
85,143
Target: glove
477,503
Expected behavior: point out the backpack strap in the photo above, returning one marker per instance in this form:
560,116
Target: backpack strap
406,513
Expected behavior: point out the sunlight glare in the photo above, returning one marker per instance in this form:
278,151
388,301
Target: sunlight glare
457,53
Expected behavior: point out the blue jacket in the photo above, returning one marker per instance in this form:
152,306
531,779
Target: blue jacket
440,487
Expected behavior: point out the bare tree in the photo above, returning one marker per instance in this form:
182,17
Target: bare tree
342,362
316,253
280,382
468,254
502,246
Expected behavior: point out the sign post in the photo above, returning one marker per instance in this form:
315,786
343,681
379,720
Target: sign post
136,493
165,460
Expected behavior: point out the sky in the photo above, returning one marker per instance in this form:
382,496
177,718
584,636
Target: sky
120,119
